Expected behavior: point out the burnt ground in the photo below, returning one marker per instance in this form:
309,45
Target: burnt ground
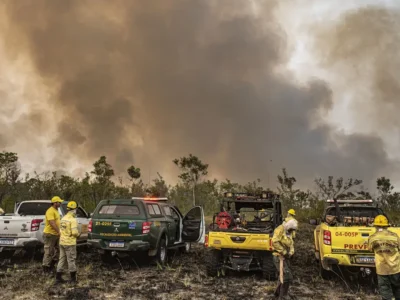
185,278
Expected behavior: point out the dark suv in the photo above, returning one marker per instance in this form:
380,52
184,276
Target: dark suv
150,225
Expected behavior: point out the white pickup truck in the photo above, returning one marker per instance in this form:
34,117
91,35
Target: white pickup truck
24,228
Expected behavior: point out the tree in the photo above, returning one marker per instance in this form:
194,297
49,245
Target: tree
134,173
102,185
386,197
9,173
287,191
192,170
336,190
159,187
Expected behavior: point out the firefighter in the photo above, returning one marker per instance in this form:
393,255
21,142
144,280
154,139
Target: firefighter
69,234
386,246
290,216
283,250
51,235
1,211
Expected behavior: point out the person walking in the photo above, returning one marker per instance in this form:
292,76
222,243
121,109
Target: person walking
51,234
386,246
69,234
283,250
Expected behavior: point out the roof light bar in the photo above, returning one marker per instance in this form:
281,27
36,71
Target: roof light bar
354,201
150,198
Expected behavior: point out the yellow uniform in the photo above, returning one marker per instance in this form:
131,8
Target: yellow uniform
51,215
283,243
69,230
386,246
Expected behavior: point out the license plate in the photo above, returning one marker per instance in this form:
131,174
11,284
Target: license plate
6,242
116,244
365,260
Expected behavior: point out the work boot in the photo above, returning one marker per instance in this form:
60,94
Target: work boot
277,290
284,292
73,277
53,265
59,278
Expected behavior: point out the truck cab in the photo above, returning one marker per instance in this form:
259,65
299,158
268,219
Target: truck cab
150,225
341,237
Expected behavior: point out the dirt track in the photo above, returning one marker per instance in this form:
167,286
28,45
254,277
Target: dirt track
20,278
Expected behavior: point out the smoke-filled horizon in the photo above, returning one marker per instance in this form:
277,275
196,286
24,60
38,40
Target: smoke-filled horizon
144,82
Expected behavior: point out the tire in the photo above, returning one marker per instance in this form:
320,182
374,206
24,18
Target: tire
186,249
162,252
213,260
269,271
325,274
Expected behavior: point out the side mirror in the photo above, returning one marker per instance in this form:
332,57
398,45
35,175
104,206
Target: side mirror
313,222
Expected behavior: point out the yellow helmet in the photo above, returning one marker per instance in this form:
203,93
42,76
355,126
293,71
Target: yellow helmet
381,221
72,205
292,212
56,199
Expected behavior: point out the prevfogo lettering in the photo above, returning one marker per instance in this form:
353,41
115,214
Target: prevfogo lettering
355,247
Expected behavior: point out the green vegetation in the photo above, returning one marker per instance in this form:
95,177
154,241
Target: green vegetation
193,187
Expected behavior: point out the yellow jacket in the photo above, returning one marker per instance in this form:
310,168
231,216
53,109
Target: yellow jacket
386,246
1,211
51,214
69,230
287,219
283,244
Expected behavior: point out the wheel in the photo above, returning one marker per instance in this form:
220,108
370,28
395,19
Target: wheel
325,274
269,271
187,248
162,252
213,259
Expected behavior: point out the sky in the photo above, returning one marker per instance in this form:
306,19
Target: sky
248,86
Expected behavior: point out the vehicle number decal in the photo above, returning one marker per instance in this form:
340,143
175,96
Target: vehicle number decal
349,234
132,225
103,223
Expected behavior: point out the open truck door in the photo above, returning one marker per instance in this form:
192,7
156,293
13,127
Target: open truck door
194,227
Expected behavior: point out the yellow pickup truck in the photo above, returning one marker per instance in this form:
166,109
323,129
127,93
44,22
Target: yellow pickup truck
341,237
240,237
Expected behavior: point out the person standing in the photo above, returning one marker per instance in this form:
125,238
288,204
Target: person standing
51,234
69,234
386,246
290,216
283,250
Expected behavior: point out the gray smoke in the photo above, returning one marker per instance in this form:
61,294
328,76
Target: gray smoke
147,81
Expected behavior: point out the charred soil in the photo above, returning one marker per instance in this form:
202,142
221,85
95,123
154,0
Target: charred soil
183,278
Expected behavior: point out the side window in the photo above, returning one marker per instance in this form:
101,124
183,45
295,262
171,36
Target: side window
154,210
167,211
174,214
80,213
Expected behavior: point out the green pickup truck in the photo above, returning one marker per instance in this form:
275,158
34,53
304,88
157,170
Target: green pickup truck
120,227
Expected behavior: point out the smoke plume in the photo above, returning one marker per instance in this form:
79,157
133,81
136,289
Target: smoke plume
145,82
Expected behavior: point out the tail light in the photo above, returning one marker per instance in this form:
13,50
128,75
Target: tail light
206,241
146,227
35,224
327,237
90,225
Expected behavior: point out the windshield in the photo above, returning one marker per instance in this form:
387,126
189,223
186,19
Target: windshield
352,211
119,209
33,209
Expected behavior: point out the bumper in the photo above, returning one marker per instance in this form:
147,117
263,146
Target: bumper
22,243
129,246
342,260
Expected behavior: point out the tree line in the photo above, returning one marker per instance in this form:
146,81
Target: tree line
193,188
